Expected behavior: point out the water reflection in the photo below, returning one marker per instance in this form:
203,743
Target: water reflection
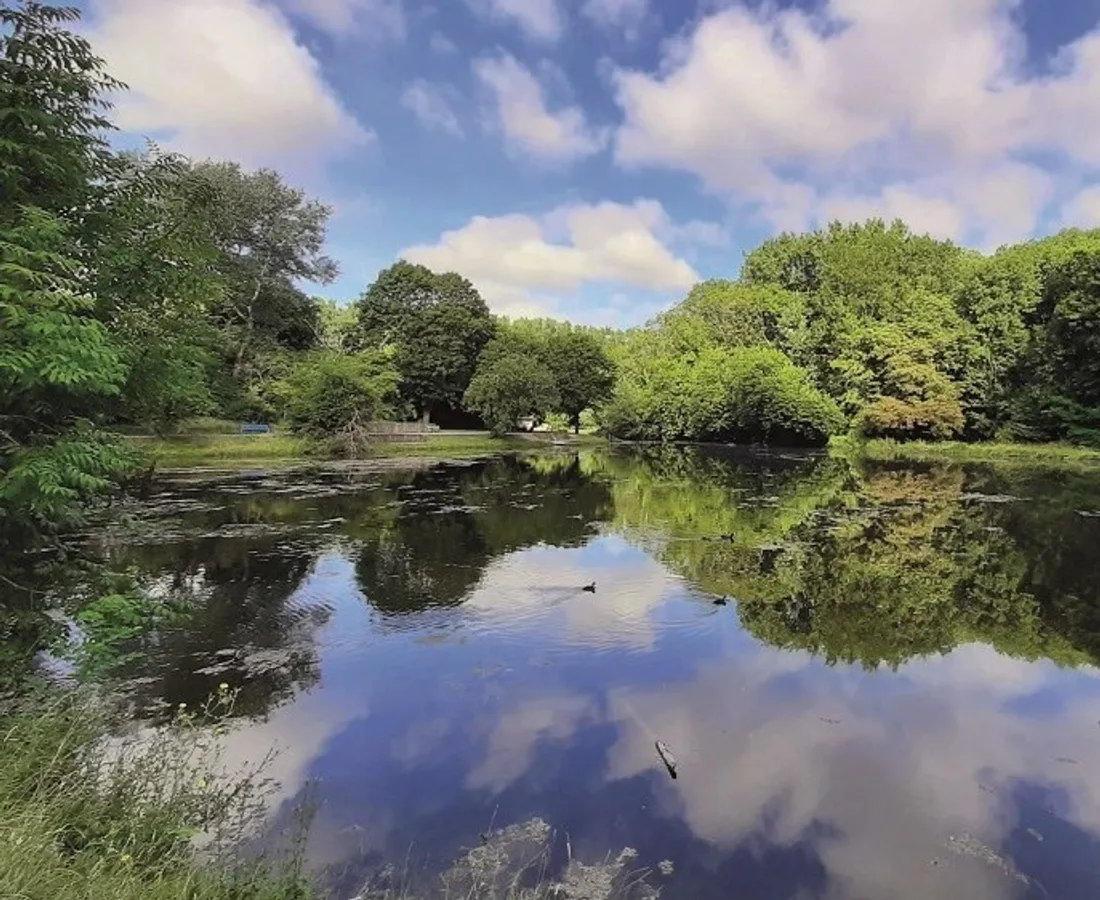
903,701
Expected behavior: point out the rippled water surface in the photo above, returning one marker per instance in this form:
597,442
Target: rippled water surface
900,699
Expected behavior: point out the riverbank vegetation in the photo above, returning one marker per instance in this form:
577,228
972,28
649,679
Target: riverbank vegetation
79,819
208,450
1056,455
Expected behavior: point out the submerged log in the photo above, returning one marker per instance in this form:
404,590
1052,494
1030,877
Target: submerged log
667,758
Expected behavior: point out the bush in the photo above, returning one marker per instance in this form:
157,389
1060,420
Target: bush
329,393
741,395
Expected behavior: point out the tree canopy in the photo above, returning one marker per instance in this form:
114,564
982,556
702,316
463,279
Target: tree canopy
438,325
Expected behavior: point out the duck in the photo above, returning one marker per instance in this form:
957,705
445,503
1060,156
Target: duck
721,601
589,588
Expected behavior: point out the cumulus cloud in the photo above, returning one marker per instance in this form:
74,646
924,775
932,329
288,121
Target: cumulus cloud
430,105
910,109
523,114
371,18
540,20
523,264
895,773
221,78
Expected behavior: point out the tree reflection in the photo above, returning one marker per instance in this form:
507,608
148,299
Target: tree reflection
453,522
241,623
876,565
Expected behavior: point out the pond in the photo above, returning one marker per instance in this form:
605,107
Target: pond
900,698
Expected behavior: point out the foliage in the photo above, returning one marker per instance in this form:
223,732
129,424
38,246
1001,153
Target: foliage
575,356
438,325
716,394
53,151
328,392
55,359
265,235
732,314
918,338
336,323
510,384
81,823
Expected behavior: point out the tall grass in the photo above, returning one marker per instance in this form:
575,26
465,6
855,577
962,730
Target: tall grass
86,813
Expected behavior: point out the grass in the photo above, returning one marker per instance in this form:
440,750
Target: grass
1039,455
200,450
211,449
86,815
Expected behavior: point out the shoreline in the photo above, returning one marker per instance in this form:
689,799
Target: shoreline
1056,456
219,451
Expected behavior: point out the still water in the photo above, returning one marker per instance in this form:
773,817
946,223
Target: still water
901,698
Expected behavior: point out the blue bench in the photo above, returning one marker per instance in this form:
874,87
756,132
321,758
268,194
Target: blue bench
255,428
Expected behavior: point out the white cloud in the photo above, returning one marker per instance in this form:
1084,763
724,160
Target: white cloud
523,263
1083,210
698,232
429,104
530,127
221,78
626,15
371,18
441,44
540,20
917,109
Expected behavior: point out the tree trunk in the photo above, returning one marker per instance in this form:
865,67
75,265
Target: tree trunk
426,417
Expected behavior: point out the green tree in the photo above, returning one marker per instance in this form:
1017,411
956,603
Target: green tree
53,146
510,385
156,283
330,391
336,322
582,371
268,236
576,357
438,324
1061,397
57,360
732,314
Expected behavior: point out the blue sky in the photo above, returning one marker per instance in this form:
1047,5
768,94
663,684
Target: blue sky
592,159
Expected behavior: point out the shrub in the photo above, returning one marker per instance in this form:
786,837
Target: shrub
750,395
329,392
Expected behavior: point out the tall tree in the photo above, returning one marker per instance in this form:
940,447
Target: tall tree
438,324
509,386
583,373
56,359
269,236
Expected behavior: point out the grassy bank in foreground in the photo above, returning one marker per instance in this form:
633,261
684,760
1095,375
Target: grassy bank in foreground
77,823
86,815
1050,455
209,450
